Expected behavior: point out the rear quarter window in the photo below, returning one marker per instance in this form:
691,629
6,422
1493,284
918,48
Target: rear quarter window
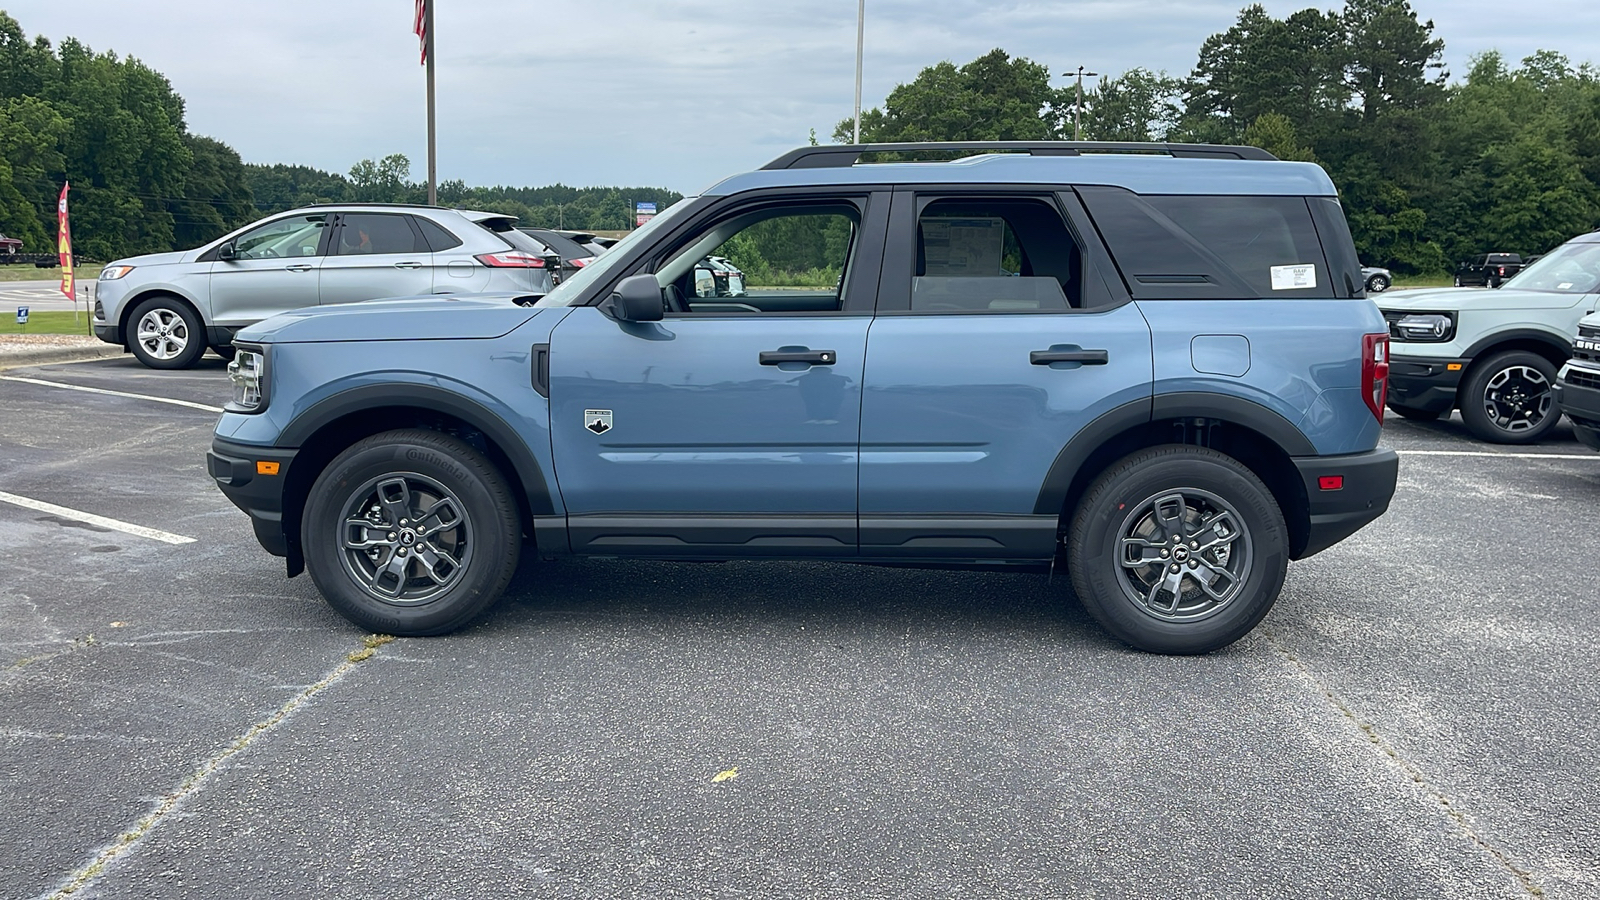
1212,247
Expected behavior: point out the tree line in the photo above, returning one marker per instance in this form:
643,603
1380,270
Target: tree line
1429,171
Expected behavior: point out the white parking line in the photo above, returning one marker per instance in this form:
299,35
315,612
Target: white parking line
90,390
1588,456
165,537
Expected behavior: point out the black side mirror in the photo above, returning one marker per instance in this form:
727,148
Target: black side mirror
636,299
227,251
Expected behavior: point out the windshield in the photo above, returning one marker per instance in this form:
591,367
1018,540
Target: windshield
1571,268
571,289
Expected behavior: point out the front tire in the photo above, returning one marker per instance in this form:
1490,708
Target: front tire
166,334
411,533
1377,284
1178,549
1507,398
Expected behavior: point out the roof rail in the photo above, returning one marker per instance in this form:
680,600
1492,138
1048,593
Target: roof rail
828,156
378,203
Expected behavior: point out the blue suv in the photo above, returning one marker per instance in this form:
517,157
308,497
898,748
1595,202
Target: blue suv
1152,362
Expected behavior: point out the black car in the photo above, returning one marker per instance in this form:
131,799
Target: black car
574,254
1488,269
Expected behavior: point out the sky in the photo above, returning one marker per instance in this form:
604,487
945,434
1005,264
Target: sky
674,94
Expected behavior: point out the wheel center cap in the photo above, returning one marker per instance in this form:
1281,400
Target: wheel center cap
1180,554
408,537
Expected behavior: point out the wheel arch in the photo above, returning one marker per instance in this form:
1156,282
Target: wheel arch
129,304
331,425
1557,350
1259,438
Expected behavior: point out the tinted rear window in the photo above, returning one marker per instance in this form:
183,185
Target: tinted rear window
568,248
438,237
1212,247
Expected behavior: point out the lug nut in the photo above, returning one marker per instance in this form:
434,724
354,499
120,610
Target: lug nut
1176,567
1193,564
1164,554
402,551
392,535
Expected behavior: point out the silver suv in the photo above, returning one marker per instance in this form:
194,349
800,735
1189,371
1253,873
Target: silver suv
166,308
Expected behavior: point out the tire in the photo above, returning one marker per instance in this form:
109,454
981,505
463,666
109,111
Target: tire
164,333
1196,490
1415,414
388,585
1507,398
1377,284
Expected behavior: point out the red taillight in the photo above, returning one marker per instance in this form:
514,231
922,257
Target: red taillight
578,262
1502,270
511,259
1375,371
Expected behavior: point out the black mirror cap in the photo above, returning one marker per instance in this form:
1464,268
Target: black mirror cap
637,299
226,251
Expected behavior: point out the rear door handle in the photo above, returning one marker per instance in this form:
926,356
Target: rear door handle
298,267
1087,357
814,357
408,265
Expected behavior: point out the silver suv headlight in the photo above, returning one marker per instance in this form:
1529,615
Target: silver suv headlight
112,273
248,372
1432,328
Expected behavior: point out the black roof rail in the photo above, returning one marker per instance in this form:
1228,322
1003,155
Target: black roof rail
379,203
828,156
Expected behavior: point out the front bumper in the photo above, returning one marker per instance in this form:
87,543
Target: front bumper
1577,394
1367,484
111,334
254,478
1424,382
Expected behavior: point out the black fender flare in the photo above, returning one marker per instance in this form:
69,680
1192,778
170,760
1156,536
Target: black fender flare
434,399
1561,345
1182,405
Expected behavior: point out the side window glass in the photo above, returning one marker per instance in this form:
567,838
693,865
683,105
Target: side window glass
995,255
283,239
437,236
372,233
782,260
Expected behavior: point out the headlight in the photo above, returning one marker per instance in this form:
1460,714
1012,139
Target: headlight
1426,327
112,273
248,372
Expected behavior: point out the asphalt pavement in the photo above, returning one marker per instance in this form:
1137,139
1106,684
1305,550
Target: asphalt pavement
1416,718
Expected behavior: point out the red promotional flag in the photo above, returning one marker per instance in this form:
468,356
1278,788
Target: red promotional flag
420,28
64,244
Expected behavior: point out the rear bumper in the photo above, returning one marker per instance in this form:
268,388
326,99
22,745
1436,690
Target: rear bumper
1366,486
1577,394
237,470
1424,382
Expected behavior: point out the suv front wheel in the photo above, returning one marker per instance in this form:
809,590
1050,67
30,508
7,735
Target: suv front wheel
166,334
1507,398
411,533
1178,549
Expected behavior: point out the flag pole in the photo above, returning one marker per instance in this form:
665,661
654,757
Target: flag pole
433,182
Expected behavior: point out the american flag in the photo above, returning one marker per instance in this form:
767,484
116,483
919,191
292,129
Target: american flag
421,28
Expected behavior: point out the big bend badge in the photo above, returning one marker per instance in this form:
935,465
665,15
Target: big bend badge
597,420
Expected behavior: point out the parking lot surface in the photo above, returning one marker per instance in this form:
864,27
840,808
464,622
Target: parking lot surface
1416,718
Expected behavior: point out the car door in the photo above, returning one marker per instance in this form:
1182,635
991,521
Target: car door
273,269
998,338
724,430
374,255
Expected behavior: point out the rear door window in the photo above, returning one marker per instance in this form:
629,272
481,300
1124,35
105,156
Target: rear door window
1212,247
375,233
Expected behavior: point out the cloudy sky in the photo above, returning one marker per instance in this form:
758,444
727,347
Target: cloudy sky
630,92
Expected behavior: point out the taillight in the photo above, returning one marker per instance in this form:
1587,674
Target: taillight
511,259
578,262
1502,271
1375,371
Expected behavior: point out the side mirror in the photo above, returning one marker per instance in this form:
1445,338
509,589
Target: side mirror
227,251
636,299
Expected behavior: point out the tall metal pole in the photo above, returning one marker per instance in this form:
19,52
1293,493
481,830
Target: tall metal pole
861,33
433,169
1077,108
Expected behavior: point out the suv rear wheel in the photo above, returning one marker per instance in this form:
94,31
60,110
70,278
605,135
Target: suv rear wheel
411,533
1178,549
166,334
1507,398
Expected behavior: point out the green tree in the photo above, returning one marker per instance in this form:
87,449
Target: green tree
992,98
1138,105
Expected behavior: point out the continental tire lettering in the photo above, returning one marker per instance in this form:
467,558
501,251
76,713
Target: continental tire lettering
417,454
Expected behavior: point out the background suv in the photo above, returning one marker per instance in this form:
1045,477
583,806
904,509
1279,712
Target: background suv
166,308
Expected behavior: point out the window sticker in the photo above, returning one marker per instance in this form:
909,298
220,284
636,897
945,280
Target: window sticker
1294,278
968,246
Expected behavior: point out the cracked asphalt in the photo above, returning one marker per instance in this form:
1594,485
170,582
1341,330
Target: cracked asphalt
1416,718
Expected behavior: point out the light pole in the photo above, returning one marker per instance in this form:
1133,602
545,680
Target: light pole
861,33
1077,108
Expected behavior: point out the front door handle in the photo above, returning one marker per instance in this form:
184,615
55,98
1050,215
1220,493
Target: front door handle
814,357
298,267
408,265
1086,357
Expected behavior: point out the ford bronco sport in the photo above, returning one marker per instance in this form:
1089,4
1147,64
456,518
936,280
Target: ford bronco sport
1153,362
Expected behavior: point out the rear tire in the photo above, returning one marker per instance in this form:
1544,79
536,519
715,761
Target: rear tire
1415,414
1377,284
411,533
1507,398
1154,527
164,333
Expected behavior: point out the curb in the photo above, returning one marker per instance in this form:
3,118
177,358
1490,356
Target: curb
44,356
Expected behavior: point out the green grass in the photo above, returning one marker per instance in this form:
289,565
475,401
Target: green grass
1423,281
51,322
85,272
